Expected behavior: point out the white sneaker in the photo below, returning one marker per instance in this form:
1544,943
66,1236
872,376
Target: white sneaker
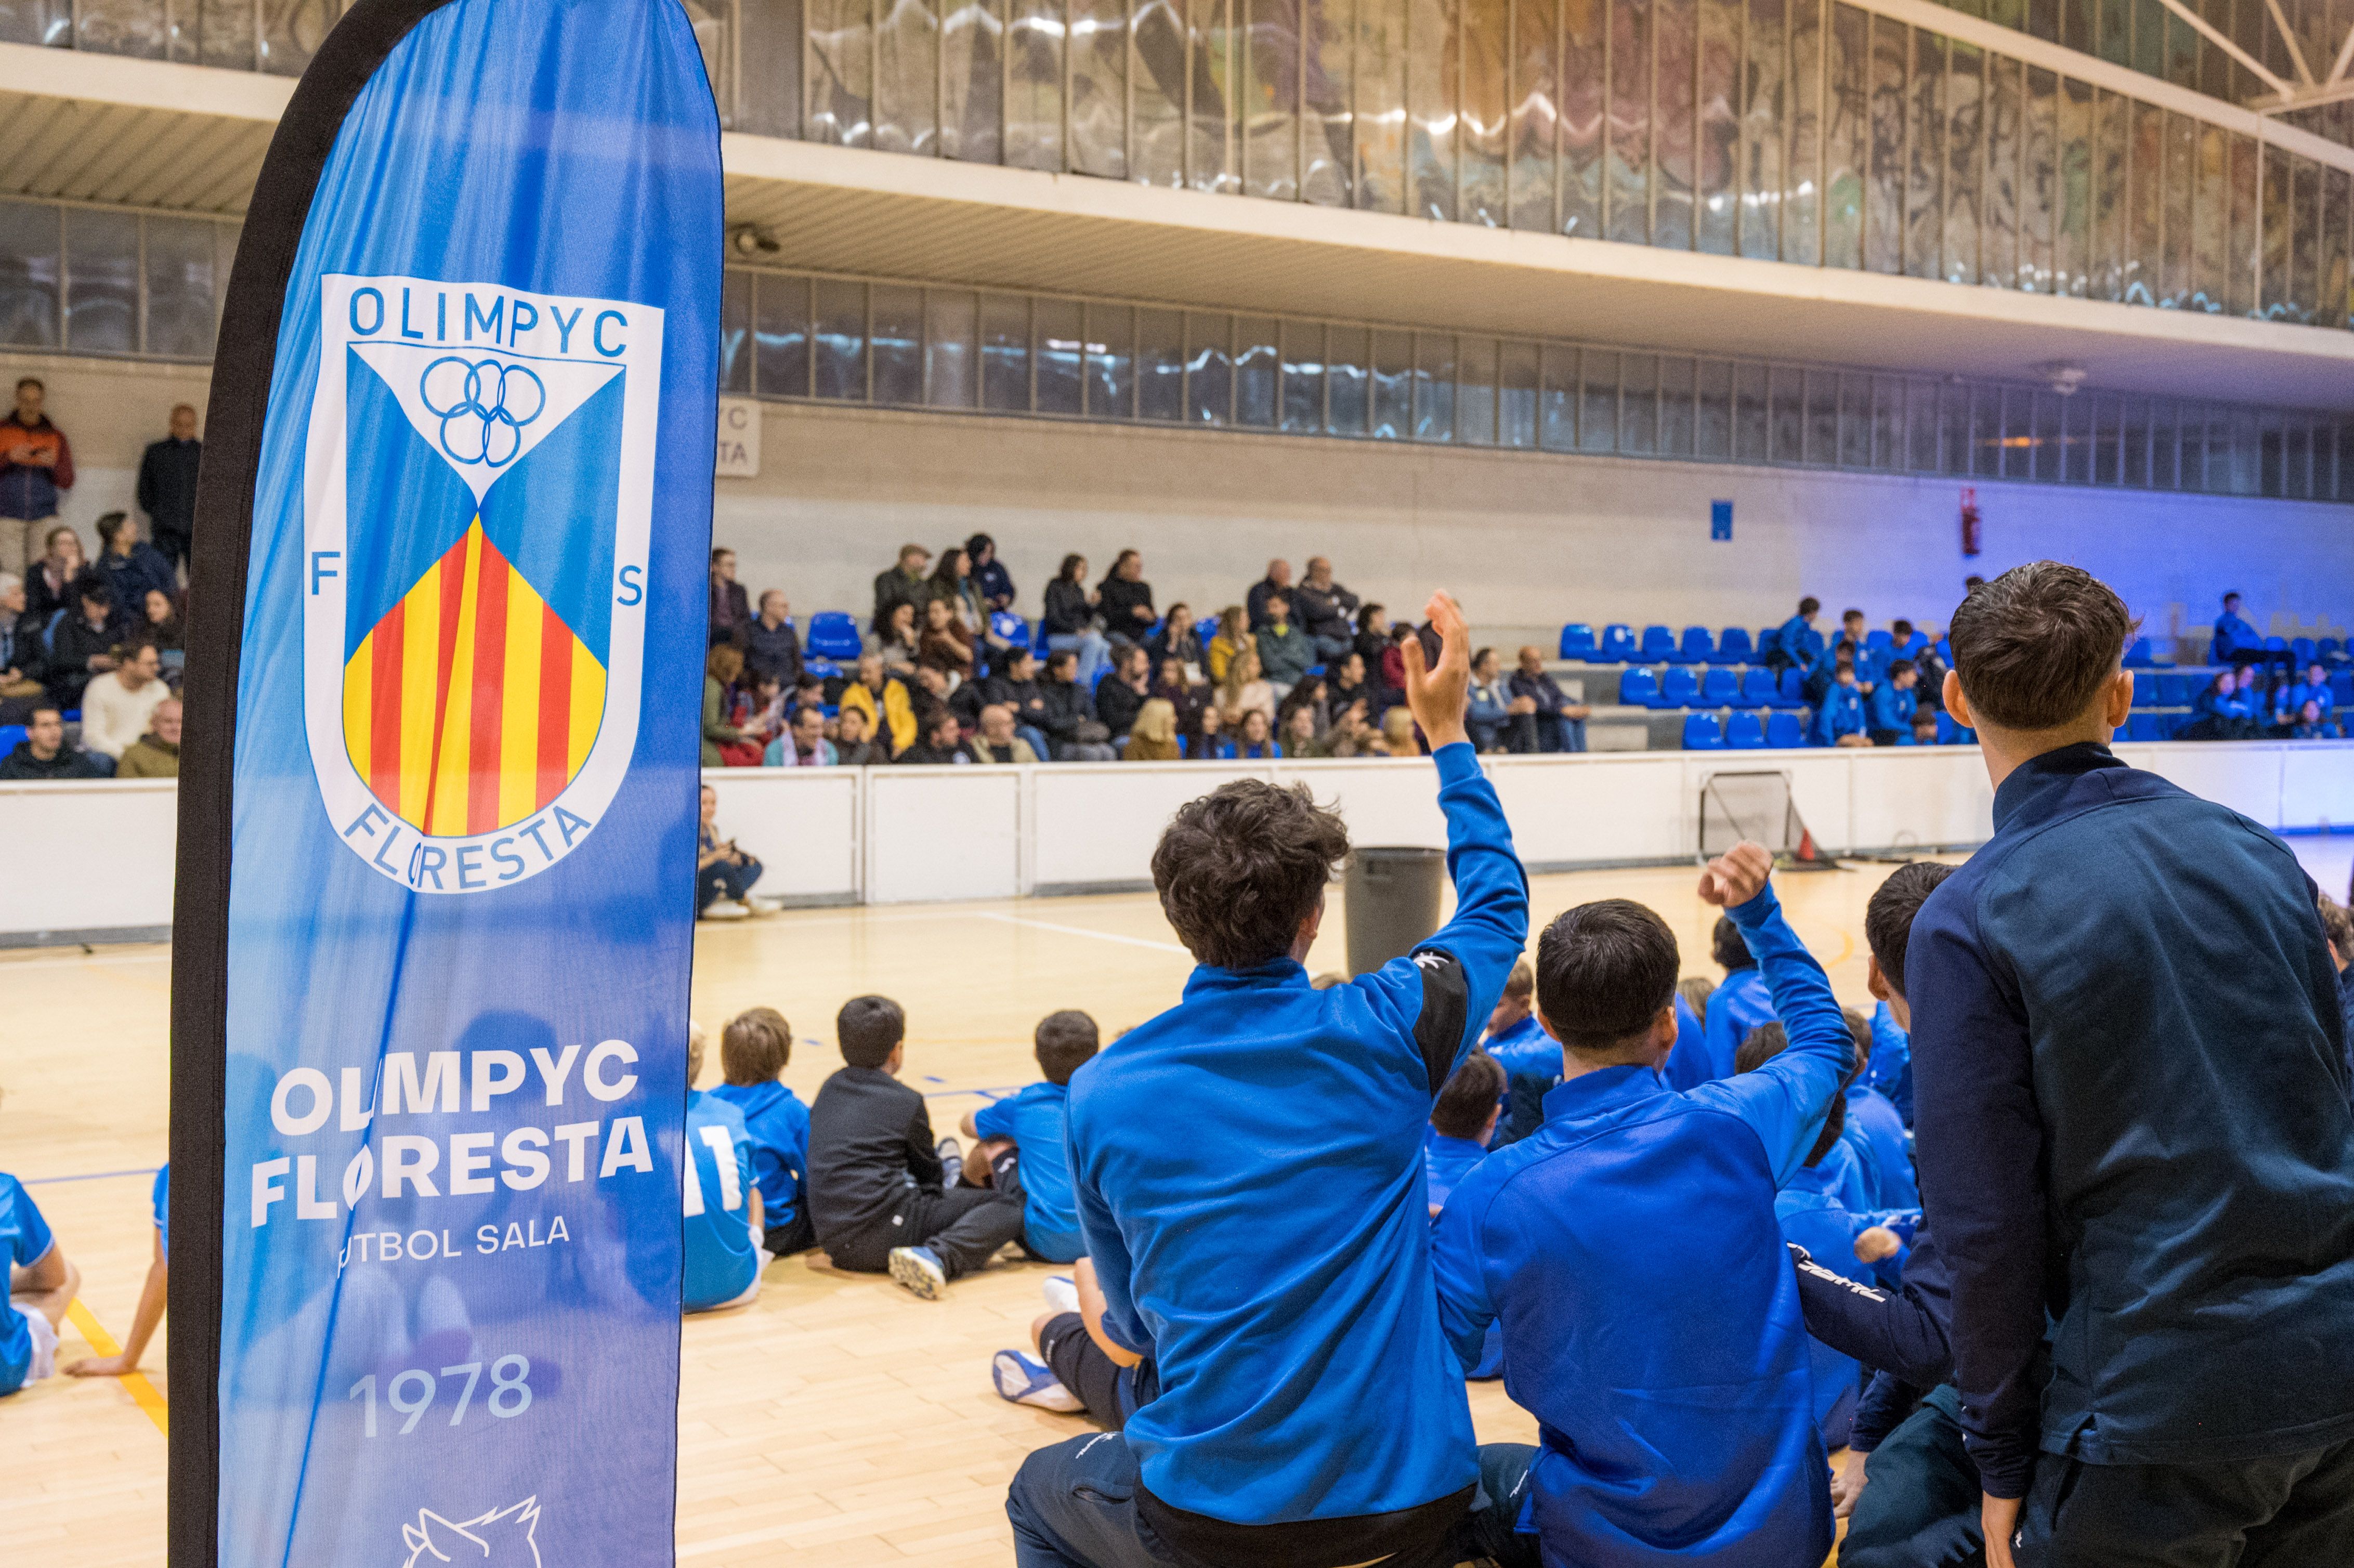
725,910
764,906
1025,1380
1060,1293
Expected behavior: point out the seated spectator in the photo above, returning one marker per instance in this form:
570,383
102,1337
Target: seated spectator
49,581
1000,740
1796,643
1176,686
1925,727
1019,1152
722,1217
1015,687
952,583
1324,608
1347,684
772,646
1371,642
1462,1120
156,754
1888,715
1177,640
988,573
1298,739
1071,621
82,644
1153,736
896,640
1848,648
803,743
808,691
726,744
1233,636
1254,739
1394,659
890,711
1552,722
1530,1058
44,754
2250,690
1125,689
2235,638
1125,598
903,583
149,1315
130,566
753,1051
1277,581
724,875
757,697
41,1285
20,653
2218,714
1493,705
162,625
940,744
851,747
1398,737
1352,733
1283,649
2312,723
1903,638
1069,721
1839,720
1244,690
943,644
1209,741
1313,694
2288,703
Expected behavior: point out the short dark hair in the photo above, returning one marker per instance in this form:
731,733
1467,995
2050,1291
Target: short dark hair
1851,614
755,1047
1888,918
93,589
2034,646
1470,1097
1809,605
1901,626
46,707
1522,983
1767,1041
2232,595
1061,657
1903,667
1271,600
109,523
1605,970
25,381
1727,947
1239,869
869,1029
1064,1042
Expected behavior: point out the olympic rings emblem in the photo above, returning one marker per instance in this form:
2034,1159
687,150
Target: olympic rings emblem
484,404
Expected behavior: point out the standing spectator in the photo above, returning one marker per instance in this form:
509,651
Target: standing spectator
20,652
162,626
1070,621
116,705
1121,693
999,741
1244,692
167,486
731,612
772,646
852,746
1125,599
1070,722
1233,636
1556,722
36,463
1283,649
721,666
82,644
1277,581
1153,736
803,744
902,584
724,875
44,754
898,640
942,744
1015,689
131,566
944,644
988,573
1324,608
2235,638
156,754
1493,705
1177,640
2133,1137
48,581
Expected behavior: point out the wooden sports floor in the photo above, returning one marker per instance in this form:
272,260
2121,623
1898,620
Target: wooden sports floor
837,1421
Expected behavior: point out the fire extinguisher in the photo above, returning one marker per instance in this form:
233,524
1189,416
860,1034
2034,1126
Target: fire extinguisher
1970,520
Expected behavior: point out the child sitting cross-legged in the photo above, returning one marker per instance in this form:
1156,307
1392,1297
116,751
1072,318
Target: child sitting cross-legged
1461,1123
1021,1153
753,1050
722,1205
1077,1367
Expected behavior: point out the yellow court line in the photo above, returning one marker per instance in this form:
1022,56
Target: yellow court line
134,1382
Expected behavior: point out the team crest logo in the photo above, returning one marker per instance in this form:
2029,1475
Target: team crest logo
478,491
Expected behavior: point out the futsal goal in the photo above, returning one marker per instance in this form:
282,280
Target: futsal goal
1757,806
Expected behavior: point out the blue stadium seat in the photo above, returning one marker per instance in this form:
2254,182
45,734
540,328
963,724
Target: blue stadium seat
823,669
2145,686
1697,647
2342,686
2137,656
1792,692
1883,640
1617,645
2142,726
1678,688
833,634
2121,734
1639,688
11,736
1758,687
1742,732
1784,732
2304,650
1577,641
1733,647
1658,645
1702,732
2331,652
2275,645
2176,691
1718,688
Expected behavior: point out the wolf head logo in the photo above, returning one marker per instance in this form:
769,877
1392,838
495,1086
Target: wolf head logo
504,1538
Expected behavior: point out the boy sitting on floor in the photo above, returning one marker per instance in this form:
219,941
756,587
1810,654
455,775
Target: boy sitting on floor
753,1050
722,1205
1078,1368
876,1171
41,1285
1460,1125
1020,1154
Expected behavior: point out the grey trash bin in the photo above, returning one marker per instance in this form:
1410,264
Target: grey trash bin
1393,897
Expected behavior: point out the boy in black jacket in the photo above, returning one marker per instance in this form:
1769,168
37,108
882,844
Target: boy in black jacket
879,1193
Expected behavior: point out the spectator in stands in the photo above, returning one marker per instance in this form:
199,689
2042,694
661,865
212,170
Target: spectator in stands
116,705
1125,598
1255,738
48,581
167,485
130,565
1071,618
1839,719
2233,636
1397,737
1310,693
998,741
935,692
988,573
1277,580
1245,691
731,612
2218,714
20,650
903,583
772,646
1129,686
1371,642
1070,722
803,743
162,627
1352,732
36,463
1554,722
943,644
1016,690
1153,736
852,748
2312,723
1283,649
890,711
1848,647
1234,635
2249,692
898,640
952,583
1925,727
1175,685
943,743
1178,639
721,667
1209,742
2288,703
1324,607
1297,738
82,644
1888,715
1798,642
1347,686
44,754
1492,703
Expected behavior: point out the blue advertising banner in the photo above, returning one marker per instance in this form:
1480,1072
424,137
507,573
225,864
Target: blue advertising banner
449,975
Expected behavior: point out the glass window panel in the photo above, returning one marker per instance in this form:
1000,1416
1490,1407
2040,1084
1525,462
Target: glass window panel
2039,183
2193,426
291,34
2112,131
1883,218
1584,32
1432,76
1822,416
972,81
2103,410
2182,181
1533,95
2210,221
1789,414
1887,422
1802,198
2247,242
1475,391
1986,432
2270,455
1434,387
1639,403
1516,394
1999,221
1750,428
840,339
1675,406
2246,453
1057,347
2073,241
1112,363
767,47
1393,408
2336,197
734,323
225,239
1629,197
1347,381
183,304
125,27
1764,82
781,336
1156,111
1714,431
1924,160
951,349
1854,421
897,318
1005,353
2297,453
1099,44
2133,443
2148,53
1955,404
2077,440
1717,151
1484,47
1257,363
1847,152
2046,436
2018,432
1209,368
2164,444
838,72
1267,132
1673,23
101,282
1160,364
1327,129
1597,420
1379,126
2305,227
2146,216
907,78
1303,376
1921,412
1557,423
1965,169
1033,84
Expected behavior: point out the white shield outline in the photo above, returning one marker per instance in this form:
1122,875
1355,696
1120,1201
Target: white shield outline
408,306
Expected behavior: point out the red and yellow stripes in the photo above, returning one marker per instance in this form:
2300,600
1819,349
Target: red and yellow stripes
470,704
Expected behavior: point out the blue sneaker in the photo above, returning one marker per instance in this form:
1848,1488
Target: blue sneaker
918,1268
1025,1380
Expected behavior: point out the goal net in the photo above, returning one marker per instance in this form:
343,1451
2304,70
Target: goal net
1756,806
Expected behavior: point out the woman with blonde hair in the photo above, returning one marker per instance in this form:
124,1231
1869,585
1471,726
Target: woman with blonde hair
1153,736
721,670
1397,734
1244,691
1234,636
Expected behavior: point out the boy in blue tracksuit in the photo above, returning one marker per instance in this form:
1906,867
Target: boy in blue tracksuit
1530,1057
1875,1130
1739,1005
722,1207
1840,717
1891,1068
1630,1250
1249,1172
149,1315
753,1050
2289,701
1460,1125
2232,634
1888,713
1796,642
1023,1136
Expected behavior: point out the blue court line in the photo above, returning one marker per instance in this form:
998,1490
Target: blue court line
93,1176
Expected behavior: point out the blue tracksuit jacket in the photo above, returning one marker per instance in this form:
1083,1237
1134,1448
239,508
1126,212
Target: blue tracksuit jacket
1891,1068
1890,1173
1248,1168
1446,1160
1892,709
1841,713
779,1125
1740,1005
2232,633
1650,1316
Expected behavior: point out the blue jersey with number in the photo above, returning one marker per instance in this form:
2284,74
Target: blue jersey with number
778,1124
722,1259
25,1239
1036,1119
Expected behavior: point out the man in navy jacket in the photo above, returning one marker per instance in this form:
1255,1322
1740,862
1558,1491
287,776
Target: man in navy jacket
2132,1107
1248,1168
